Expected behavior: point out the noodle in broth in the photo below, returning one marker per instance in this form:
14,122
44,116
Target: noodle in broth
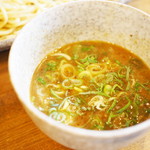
93,85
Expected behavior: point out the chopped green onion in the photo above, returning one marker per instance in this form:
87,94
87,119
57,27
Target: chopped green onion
110,77
77,48
59,57
94,92
136,103
118,62
86,48
54,94
119,73
107,89
113,105
51,102
54,105
128,123
51,66
83,108
115,86
78,100
148,110
41,80
98,127
111,115
52,109
100,87
128,86
128,72
138,85
48,76
75,57
89,59
125,107
103,94
89,108
80,68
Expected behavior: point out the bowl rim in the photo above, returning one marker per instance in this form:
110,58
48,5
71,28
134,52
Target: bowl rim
70,129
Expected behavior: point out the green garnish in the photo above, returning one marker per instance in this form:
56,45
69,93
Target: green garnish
128,86
128,72
118,62
51,66
77,48
112,105
104,53
99,127
110,77
59,57
119,81
89,59
148,110
138,86
86,48
54,94
107,89
83,108
95,93
114,87
100,87
109,118
119,73
125,107
128,123
80,68
111,115
41,80
75,57
136,103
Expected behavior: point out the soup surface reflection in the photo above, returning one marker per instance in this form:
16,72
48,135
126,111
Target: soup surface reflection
92,85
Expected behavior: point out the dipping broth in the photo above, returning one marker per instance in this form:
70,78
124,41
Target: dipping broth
92,85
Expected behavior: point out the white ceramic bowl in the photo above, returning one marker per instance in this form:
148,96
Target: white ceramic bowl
67,23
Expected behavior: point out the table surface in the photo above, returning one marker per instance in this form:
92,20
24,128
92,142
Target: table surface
18,132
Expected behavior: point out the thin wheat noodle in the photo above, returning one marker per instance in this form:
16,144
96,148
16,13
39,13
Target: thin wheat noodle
23,10
67,71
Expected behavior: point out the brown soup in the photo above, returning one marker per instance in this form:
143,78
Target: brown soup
93,85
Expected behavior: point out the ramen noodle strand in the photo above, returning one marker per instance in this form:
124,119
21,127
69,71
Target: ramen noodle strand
4,17
14,14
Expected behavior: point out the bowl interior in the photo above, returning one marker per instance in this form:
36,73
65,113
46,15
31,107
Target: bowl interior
72,22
